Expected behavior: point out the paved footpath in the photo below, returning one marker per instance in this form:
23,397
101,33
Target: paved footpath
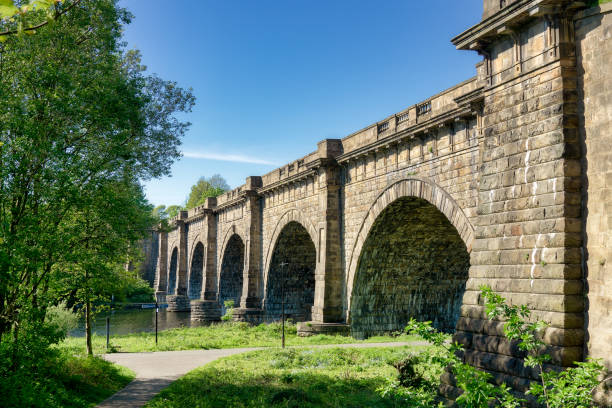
156,370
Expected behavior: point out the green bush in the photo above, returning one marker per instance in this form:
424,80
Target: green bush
229,311
570,388
409,372
134,289
63,318
34,374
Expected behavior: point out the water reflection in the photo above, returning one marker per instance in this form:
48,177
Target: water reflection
136,321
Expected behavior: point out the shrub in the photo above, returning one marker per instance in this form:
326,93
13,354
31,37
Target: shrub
409,373
570,388
229,311
63,318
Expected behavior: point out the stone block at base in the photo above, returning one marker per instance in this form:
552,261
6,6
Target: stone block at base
254,316
177,303
160,297
305,329
205,311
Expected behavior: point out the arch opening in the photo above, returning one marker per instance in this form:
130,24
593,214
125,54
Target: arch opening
413,263
293,263
232,268
196,272
172,272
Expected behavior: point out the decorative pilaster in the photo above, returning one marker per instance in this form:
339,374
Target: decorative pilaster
252,291
180,301
161,271
207,308
327,312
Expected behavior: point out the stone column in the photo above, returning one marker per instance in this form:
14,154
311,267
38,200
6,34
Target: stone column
207,308
161,271
252,291
210,286
327,311
528,232
180,301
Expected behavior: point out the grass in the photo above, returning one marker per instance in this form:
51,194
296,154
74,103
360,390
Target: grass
65,381
216,336
335,377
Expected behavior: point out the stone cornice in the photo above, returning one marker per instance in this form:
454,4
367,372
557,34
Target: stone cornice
516,13
289,180
411,132
230,203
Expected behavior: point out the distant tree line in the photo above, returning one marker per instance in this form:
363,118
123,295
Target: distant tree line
204,188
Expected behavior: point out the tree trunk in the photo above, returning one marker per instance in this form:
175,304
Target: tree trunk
87,315
88,326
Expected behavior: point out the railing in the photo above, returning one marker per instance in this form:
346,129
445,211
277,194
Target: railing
424,108
403,117
383,126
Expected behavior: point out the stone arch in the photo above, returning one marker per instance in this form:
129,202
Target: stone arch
294,246
231,269
292,215
413,230
173,271
196,271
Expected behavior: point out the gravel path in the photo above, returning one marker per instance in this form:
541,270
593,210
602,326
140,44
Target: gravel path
155,371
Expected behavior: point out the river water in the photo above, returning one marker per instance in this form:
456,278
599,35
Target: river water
135,321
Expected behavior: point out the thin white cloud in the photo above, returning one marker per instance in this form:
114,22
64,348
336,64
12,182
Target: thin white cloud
235,158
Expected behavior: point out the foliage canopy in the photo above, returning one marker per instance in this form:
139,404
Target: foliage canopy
81,124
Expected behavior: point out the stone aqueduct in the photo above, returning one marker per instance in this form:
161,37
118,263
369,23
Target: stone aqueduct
504,180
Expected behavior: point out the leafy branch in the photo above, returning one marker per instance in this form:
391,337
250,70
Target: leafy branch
10,12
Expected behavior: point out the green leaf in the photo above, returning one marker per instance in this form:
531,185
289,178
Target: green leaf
42,3
7,9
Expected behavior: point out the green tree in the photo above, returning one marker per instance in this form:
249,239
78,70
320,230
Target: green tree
100,236
204,188
173,210
77,115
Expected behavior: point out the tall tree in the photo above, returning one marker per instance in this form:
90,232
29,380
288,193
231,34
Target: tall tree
76,113
100,235
204,188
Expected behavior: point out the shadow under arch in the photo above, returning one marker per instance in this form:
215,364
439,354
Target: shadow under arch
196,271
292,215
231,272
172,271
410,258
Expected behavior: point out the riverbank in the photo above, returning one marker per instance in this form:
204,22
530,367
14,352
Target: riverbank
215,336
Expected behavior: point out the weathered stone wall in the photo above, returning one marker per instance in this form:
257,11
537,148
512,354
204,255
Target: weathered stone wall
528,231
594,52
413,264
291,274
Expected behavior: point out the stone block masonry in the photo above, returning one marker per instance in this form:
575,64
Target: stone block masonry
503,180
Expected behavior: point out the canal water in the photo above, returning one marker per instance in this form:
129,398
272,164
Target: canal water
135,321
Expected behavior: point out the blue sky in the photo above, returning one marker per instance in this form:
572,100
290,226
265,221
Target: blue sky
272,78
